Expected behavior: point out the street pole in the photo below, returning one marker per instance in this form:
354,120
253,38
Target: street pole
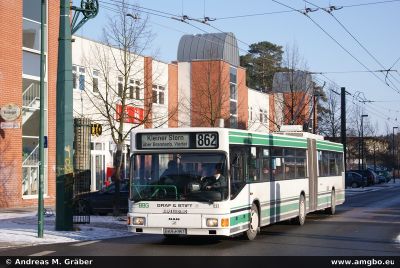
41,121
64,123
362,141
374,155
394,159
343,123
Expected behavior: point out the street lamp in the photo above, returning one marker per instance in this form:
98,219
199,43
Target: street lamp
394,160
362,140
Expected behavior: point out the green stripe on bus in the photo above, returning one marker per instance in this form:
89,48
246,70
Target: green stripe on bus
330,147
267,142
324,200
243,218
265,136
274,211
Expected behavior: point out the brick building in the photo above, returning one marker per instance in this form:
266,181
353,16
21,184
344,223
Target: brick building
19,85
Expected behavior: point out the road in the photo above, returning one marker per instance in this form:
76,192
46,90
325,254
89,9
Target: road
368,224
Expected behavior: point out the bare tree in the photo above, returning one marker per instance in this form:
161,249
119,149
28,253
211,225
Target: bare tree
295,89
122,96
329,123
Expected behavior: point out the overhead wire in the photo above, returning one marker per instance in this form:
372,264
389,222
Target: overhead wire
339,44
289,11
357,41
181,20
354,98
162,14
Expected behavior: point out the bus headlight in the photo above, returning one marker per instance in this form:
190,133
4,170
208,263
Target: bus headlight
212,222
139,220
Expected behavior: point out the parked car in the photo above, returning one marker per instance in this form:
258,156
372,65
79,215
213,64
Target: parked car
355,180
102,202
381,179
385,174
371,176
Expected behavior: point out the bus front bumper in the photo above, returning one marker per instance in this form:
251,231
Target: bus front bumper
180,231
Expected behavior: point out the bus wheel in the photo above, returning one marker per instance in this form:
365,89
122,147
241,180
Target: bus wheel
332,209
251,233
300,220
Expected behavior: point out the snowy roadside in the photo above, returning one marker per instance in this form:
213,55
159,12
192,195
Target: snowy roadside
20,229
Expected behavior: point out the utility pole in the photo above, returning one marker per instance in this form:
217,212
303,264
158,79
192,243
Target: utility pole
394,158
362,141
343,123
41,120
64,121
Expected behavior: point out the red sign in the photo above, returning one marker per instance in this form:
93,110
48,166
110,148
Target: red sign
133,115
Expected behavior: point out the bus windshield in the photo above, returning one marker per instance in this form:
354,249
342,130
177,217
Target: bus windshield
181,176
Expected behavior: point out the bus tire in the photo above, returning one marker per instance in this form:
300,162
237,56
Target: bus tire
332,209
301,219
254,224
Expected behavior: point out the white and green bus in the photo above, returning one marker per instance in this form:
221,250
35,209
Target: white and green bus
263,179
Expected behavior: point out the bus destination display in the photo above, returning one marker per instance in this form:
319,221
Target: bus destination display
152,141
203,140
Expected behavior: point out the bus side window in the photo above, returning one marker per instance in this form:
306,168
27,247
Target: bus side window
253,164
238,176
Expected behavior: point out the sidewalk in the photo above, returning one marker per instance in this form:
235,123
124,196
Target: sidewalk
18,227
375,187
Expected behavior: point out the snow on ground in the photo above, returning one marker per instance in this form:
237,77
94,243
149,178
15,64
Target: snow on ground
20,229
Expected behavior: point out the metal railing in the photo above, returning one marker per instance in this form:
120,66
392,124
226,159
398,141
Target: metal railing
31,95
32,158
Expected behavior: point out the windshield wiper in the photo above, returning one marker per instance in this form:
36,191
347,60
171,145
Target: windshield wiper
203,199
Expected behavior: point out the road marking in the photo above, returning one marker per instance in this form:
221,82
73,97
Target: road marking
47,252
85,243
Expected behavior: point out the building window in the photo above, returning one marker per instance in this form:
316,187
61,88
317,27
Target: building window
31,34
82,78
74,84
233,75
137,90
120,86
233,98
95,81
31,63
161,95
31,98
32,10
263,116
158,94
131,88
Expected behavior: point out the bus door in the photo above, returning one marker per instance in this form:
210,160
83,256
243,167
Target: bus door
312,174
239,172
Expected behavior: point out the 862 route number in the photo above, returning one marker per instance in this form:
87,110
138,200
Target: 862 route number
206,140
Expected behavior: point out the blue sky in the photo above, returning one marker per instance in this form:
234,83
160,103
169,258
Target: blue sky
376,27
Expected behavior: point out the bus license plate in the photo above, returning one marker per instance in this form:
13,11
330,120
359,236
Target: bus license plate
174,231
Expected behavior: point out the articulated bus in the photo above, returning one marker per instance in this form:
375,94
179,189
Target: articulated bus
226,182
